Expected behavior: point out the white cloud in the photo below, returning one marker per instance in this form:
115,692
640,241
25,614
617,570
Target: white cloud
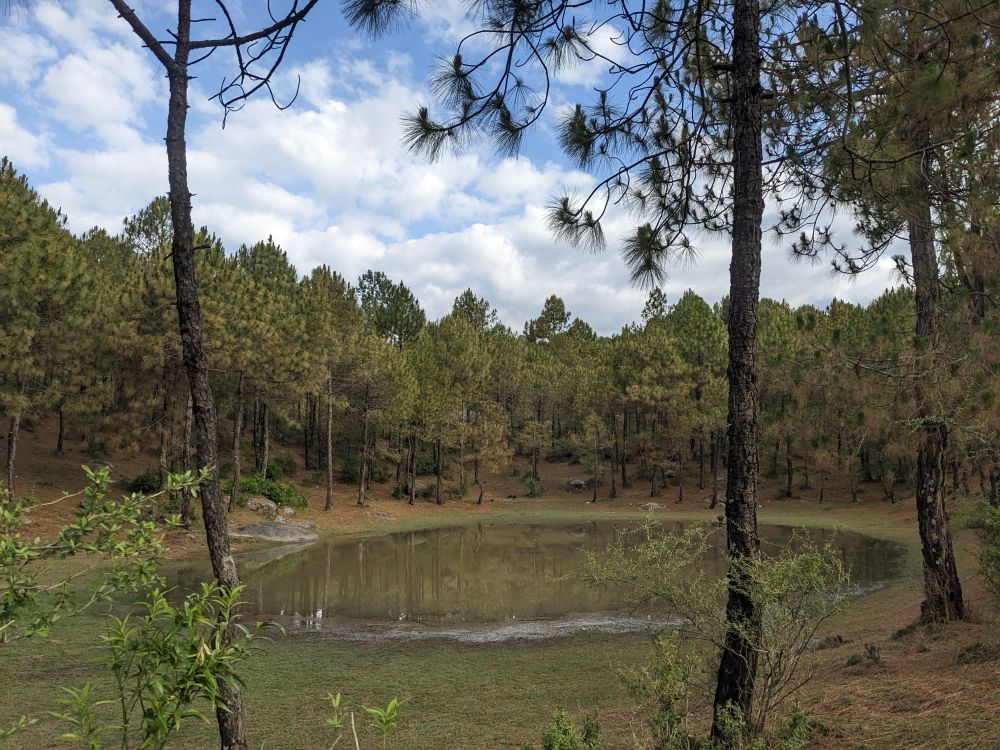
330,180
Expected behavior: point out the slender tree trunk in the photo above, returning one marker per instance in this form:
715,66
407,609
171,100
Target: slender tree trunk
437,470
12,431
701,461
306,436
477,482
624,455
738,665
237,450
597,463
413,468
943,598
714,462
230,716
328,505
61,437
363,470
680,477
613,493
789,466
186,464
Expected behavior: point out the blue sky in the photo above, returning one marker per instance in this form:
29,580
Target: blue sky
82,114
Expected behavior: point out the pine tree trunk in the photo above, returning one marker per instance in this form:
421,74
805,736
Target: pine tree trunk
412,489
943,598
701,461
478,483
232,729
680,477
12,431
186,461
437,470
624,456
597,464
613,493
995,485
363,469
237,451
60,438
306,436
738,665
789,466
714,465
328,505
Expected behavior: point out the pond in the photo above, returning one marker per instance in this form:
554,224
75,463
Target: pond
480,582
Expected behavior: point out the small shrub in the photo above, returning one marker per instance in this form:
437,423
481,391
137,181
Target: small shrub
279,493
146,482
279,467
350,470
534,486
562,734
426,491
456,491
97,449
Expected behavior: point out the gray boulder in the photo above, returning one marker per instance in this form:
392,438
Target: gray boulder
649,506
262,506
303,524
287,511
273,531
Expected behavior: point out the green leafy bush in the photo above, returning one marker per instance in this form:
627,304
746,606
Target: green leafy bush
280,493
147,481
563,734
278,467
534,486
424,466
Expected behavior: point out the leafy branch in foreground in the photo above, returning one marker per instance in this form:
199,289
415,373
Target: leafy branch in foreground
119,533
166,662
797,588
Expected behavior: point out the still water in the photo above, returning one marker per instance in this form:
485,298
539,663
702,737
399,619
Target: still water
487,576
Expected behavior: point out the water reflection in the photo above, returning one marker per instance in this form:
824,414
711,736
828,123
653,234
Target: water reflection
481,574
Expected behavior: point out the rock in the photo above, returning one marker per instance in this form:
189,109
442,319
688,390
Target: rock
831,641
262,506
274,531
854,659
382,514
303,524
280,519
649,506
287,511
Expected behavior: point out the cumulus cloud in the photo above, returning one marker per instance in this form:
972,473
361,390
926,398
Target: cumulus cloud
329,178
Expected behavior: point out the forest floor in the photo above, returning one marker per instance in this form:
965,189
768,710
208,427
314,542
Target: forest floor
924,693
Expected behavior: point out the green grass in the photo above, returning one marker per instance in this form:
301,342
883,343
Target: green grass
454,695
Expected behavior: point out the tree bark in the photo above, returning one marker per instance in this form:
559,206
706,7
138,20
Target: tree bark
613,492
714,462
363,470
789,466
232,729
943,598
412,475
738,665
234,492
328,505
437,470
186,460
12,431
61,437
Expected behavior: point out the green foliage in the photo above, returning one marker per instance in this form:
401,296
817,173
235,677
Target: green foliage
384,719
987,524
147,481
115,532
796,589
662,691
535,488
169,663
563,734
278,467
280,493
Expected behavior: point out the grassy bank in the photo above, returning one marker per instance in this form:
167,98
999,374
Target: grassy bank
501,695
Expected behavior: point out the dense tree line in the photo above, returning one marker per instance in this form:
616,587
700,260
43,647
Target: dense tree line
369,390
